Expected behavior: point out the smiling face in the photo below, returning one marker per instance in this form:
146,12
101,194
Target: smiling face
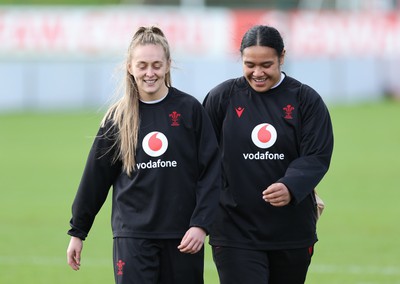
261,67
149,65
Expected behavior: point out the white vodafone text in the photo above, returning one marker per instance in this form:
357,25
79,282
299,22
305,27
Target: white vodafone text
157,164
263,156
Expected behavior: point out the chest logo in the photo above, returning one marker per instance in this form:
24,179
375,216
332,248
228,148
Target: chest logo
264,135
288,111
239,111
155,144
174,118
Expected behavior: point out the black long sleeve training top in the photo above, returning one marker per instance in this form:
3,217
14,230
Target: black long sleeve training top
176,183
282,135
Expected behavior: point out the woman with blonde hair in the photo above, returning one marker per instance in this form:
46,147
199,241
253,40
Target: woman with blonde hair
157,149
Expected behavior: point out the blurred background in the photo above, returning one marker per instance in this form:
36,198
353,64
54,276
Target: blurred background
65,54
59,67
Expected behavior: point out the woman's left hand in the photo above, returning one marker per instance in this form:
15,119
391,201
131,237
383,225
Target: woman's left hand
193,240
277,194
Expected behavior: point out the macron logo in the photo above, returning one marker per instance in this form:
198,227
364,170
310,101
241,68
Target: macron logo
239,111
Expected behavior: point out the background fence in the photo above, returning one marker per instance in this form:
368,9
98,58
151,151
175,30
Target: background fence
67,57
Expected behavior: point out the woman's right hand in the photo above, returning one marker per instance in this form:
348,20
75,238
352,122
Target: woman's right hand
74,253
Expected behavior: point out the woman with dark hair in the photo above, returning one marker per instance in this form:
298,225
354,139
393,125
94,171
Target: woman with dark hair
156,147
276,142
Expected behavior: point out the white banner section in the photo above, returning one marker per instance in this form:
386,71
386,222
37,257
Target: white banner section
105,31
210,32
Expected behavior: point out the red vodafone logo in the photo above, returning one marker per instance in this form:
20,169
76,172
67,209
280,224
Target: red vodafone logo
264,135
155,144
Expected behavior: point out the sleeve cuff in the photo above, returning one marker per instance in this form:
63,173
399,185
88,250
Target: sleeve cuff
77,233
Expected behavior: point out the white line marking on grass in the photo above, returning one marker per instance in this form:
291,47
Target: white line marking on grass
102,262
354,269
51,261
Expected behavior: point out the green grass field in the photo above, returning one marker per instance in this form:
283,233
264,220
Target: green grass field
42,157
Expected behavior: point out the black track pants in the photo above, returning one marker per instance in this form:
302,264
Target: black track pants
242,266
143,261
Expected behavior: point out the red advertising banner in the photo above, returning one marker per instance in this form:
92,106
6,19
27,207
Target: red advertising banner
328,33
103,31
208,32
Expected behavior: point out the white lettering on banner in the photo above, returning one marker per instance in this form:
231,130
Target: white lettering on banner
211,32
104,31
328,33
157,164
263,156
345,34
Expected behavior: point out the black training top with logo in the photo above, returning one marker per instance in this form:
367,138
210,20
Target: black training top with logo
176,182
282,135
